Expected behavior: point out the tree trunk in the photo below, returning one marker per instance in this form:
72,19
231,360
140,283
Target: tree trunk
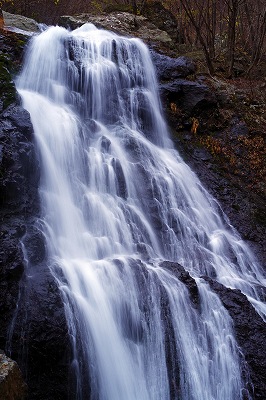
1,20
232,13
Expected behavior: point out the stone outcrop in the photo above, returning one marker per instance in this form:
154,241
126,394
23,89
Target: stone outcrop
19,22
18,184
191,97
249,327
169,68
250,333
163,19
32,320
123,23
12,386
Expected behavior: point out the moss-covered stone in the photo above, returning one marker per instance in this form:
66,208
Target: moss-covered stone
11,49
7,85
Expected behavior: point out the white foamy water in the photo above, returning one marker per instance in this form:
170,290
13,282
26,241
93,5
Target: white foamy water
117,199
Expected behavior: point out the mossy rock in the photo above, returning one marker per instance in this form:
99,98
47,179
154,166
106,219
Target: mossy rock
11,50
6,82
118,8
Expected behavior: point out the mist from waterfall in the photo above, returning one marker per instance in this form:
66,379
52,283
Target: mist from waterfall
118,200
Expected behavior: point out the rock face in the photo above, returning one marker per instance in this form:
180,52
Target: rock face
163,19
18,188
250,334
12,386
192,97
20,22
123,23
32,320
249,327
169,68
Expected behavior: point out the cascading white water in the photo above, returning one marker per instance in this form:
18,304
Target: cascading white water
117,200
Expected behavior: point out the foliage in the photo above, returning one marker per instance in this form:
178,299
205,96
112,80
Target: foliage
229,30
3,2
232,32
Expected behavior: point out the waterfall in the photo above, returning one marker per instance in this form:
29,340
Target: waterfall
117,201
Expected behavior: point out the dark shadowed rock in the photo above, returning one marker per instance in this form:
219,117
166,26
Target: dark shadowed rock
191,97
184,277
239,128
39,336
20,119
250,332
19,166
120,179
18,202
249,327
33,327
172,68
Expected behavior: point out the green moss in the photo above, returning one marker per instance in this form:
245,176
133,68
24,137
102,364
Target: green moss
8,89
118,8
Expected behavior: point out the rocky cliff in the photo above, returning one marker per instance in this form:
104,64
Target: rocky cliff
32,322
33,327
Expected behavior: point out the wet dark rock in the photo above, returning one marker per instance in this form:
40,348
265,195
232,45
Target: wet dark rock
191,97
12,386
18,161
18,201
172,68
120,179
20,119
184,277
34,243
33,327
105,144
40,340
250,332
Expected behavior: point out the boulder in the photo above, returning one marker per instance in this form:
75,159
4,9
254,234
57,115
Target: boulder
191,97
19,22
123,23
12,386
163,19
169,68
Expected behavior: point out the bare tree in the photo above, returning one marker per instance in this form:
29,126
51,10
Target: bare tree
254,29
203,20
232,12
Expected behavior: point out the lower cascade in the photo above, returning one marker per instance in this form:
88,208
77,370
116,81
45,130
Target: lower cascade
119,209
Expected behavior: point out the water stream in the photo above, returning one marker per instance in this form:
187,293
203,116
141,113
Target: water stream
117,200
